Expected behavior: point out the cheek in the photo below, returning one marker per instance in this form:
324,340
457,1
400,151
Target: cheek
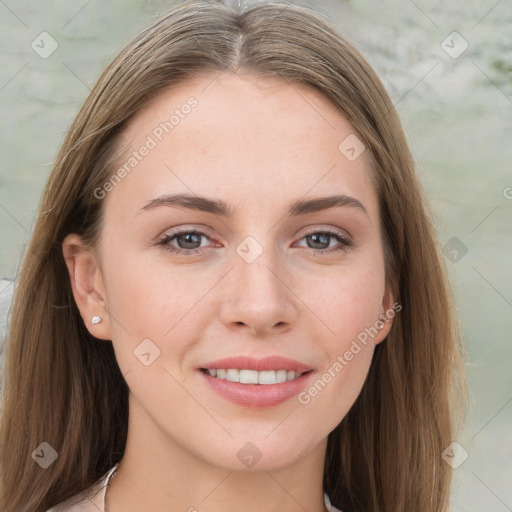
149,299
345,302
347,307
347,356
337,386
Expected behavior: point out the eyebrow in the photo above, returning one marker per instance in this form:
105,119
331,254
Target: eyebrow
221,208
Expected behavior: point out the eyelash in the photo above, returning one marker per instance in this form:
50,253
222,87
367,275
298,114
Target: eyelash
164,242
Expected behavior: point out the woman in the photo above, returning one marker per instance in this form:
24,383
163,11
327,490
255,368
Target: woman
300,354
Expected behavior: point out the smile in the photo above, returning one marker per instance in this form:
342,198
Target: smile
244,376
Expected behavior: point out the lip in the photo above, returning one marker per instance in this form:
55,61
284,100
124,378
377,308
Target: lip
257,396
260,365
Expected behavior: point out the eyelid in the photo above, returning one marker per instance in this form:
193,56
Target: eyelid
330,229
207,230
203,230
343,238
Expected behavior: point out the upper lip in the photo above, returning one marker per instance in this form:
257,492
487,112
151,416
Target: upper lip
251,363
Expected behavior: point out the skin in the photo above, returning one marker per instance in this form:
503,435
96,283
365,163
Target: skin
257,144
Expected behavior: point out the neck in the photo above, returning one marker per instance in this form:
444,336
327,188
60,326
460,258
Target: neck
158,474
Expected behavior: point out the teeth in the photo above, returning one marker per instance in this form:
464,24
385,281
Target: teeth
254,377
282,374
249,377
233,375
268,377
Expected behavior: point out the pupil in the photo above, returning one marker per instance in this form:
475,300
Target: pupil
316,236
194,238
187,239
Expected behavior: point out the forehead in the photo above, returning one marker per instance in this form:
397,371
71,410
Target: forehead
243,136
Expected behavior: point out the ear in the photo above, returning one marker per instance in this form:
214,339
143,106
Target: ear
388,310
87,285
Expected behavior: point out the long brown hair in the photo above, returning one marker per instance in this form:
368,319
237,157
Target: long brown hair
64,387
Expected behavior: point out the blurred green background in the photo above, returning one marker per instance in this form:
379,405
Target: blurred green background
453,93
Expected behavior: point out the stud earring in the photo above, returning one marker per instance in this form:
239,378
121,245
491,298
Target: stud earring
96,319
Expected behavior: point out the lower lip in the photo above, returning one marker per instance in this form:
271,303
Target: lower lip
257,396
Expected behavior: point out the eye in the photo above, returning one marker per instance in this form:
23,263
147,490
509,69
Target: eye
189,242
321,241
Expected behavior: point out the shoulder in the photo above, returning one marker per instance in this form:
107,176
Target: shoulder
90,500
330,507
77,503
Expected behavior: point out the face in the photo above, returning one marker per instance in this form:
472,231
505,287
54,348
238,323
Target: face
250,273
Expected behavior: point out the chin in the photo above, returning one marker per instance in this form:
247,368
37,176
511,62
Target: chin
259,453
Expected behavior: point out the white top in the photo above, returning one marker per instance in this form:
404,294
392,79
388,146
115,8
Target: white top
93,500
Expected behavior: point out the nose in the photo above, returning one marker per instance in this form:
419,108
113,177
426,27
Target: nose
259,298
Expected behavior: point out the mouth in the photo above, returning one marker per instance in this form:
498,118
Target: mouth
246,376
256,383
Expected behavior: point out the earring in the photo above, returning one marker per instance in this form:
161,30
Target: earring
96,319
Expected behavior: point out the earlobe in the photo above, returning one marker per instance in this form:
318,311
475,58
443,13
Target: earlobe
87,285
388,312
